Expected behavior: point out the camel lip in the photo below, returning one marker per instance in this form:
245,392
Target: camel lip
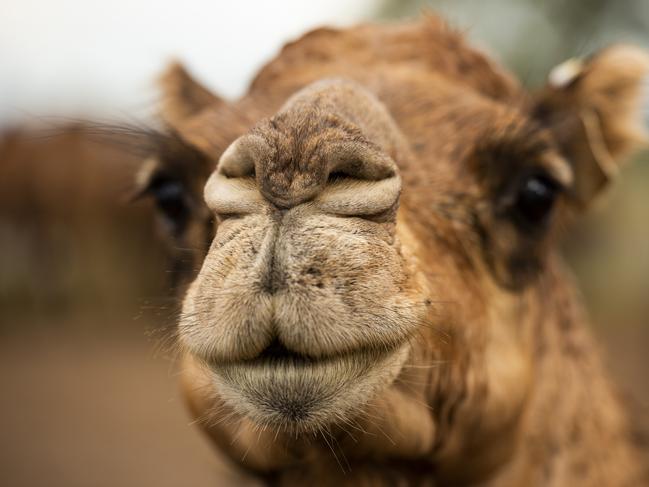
280,357
276,355
276,360
291,392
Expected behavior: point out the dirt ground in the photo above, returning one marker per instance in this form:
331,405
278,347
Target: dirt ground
96,407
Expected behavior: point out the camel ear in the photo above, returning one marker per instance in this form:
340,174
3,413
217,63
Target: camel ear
182,96
598,110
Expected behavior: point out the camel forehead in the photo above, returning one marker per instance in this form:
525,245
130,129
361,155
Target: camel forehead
427,44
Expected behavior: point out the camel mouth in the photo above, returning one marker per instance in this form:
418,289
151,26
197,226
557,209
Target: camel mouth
277,353
287,390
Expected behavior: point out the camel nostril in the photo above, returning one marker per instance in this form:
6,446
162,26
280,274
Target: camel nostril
238,160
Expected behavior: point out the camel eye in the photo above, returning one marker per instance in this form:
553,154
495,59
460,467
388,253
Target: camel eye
170,199
534,201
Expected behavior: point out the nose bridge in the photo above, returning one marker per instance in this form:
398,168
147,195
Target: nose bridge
289,180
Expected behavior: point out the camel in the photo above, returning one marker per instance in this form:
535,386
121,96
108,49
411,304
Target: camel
367,261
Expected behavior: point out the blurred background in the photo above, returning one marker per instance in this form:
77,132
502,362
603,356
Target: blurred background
89,396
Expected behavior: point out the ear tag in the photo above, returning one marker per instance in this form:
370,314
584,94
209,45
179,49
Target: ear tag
565,73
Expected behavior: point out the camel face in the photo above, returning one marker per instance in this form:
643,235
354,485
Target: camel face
305,304
368,251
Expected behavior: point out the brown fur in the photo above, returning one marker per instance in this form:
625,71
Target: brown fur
430,340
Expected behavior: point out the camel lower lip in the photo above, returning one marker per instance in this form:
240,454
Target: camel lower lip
288,358
300,393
